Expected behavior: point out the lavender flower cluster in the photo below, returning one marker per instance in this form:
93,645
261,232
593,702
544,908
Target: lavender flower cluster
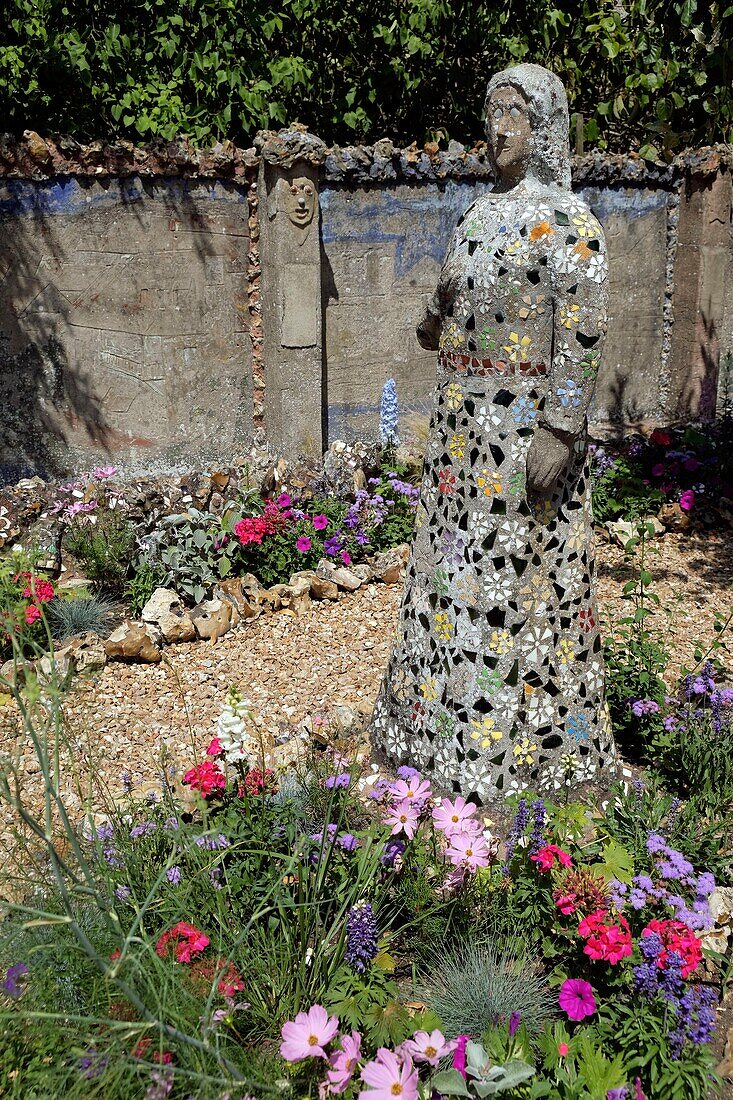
361,937
538,812
692,1006
671,866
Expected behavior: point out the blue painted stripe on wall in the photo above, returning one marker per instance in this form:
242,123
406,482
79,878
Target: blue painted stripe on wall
72,196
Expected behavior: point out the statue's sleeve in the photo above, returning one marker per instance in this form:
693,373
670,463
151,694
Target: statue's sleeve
579,268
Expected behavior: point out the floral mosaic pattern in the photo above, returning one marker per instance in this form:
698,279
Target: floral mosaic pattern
498,643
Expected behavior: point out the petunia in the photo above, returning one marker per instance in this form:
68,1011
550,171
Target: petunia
576,999
303,544
389,1076
308,1034
320,523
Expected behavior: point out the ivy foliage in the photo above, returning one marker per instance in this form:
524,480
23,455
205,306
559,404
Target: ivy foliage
652,75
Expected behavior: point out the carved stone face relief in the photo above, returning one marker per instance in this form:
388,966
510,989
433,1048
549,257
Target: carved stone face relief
298,200
509,131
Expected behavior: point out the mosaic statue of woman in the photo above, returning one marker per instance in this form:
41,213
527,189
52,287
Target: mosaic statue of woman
496,680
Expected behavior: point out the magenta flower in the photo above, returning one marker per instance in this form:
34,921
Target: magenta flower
389,1076
101,472
303,544
576,999
344,1062
320,523
308,1034
345,557
455,817
687,500
403,818
459,1054
428,1048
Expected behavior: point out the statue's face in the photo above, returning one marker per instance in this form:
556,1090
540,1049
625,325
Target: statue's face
299,200
509,131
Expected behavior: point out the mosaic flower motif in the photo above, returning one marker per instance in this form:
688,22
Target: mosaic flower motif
524,750
489,416
418,716
467,588
498,587
544,511
443,626
575,540
444,724
483,730
452,547
517,483
457,445
518,348
500,642
590,363
566,262
582,251
536,643
429,689
535,593
542,231
587,619
571,395
565,651
578,726
532,306
515,786
487,335
440,582
482,524
569,315
489,680
540,708
446,481
596,268
453,396
524,411
552,777
582,225
512,534
489,482
451,337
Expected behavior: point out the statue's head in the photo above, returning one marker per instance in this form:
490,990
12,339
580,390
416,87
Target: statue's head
527,125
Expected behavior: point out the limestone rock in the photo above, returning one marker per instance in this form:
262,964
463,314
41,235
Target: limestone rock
725,1067
673,518
166,611
11,674
133,642
717,938
293,597
87,650
389,566
363,571
320,588
243,593
212,618
56,668
621,530
339,575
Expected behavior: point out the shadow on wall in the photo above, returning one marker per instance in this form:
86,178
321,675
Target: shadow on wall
77,286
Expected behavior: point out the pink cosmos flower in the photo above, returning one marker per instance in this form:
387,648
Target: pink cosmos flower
546,858
344,1062
320,523
428,1048
303,544
403,818
576,999
308,1034
468,850
687,500
414,790
389,1076
101,472
455,817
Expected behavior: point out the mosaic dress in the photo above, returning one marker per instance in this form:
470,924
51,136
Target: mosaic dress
496,679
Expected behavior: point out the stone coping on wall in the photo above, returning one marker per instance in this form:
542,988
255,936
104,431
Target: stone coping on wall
33,157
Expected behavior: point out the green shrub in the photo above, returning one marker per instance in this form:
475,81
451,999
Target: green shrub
104,549
146,577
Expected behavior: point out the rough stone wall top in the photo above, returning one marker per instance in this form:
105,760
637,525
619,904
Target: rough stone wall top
36,158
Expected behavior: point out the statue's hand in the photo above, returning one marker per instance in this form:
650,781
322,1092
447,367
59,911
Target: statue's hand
549,455
428,332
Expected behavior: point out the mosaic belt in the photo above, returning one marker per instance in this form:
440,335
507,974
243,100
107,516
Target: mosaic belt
462,363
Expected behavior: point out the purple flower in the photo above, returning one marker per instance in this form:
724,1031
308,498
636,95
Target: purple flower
407,773
537,835
361,937
341,780
617,1094
348,842
514,1021
143,829
122,893
392,849
10,985
516,832
212,843
92,1064
173,874
656,843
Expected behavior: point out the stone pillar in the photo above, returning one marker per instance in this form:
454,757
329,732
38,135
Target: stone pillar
291,291
699,293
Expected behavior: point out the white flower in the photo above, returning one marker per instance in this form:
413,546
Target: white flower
536,643
231,728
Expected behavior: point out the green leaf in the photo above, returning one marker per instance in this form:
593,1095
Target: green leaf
616,862
449,1082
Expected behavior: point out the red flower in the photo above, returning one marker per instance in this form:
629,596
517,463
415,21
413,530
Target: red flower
660,438
206,778
446,481
547,857
32,614
140,1050
187,940
677,937
255,782
37,588
607,942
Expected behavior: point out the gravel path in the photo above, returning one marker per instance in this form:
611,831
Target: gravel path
132,717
